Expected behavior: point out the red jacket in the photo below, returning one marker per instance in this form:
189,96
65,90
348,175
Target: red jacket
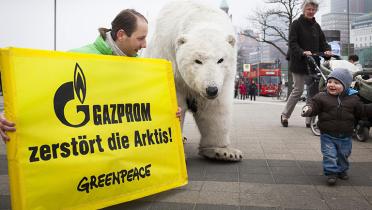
242,89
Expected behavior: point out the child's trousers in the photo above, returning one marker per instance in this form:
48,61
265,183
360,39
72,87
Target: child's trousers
335,154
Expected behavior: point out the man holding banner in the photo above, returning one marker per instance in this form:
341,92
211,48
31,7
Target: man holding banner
126,37
103,131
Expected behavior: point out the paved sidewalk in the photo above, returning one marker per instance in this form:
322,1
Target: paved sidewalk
281,169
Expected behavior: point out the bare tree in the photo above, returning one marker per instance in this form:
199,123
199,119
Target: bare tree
275,21
273,24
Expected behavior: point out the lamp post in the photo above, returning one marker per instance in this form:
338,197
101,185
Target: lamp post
348,27
55,24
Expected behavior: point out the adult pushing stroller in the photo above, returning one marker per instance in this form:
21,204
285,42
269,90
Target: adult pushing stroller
364,88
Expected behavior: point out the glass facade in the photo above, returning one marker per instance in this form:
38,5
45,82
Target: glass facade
356,6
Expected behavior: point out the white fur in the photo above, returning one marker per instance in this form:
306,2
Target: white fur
188,31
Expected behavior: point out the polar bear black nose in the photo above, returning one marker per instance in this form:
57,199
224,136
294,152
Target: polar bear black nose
212,91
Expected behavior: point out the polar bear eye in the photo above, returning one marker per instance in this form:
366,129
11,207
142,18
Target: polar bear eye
198,61
220,61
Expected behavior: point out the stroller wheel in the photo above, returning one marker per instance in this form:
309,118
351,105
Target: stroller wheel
361,133
314,126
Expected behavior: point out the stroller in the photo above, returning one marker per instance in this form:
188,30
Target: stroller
364,88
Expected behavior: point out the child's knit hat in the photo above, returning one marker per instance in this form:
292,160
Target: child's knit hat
342,75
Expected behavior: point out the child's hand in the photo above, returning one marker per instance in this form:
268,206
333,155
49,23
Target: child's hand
178,113
306,110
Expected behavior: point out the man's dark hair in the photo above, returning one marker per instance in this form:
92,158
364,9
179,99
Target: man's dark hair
125,20
353,58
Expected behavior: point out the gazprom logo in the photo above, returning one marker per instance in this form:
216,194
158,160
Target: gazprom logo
66,93
101,114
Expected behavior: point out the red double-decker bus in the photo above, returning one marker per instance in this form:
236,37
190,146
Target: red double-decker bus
268,77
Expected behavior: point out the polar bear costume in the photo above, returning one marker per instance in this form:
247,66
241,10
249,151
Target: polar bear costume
200,43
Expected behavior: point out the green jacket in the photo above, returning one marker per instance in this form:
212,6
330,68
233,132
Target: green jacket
98,47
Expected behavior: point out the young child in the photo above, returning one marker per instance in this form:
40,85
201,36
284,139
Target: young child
337,109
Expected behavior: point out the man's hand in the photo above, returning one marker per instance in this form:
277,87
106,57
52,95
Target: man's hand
307,53
5,126
306,110
179,113
328,53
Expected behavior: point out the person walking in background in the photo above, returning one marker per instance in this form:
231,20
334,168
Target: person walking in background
337,109
305,38
354,59
246,82
252,90
242,90
236,88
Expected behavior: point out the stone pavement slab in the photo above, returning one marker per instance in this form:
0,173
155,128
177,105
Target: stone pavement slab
281,169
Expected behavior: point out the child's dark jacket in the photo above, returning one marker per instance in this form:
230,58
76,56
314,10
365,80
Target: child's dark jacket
337,114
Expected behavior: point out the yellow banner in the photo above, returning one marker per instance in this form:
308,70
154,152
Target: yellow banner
92,130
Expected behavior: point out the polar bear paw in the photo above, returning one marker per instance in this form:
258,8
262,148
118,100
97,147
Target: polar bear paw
221,153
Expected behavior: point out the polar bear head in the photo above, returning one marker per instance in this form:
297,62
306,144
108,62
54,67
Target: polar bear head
205,60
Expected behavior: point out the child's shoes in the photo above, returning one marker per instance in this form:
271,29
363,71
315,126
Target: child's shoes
332,179
343,176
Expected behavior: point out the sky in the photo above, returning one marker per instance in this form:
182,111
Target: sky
30,23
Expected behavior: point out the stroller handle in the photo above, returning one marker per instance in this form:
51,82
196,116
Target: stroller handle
367,71
321,54
311,59
319,72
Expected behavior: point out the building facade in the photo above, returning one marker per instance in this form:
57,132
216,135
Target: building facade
340,22
246,46
361,36
355,6
361,31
